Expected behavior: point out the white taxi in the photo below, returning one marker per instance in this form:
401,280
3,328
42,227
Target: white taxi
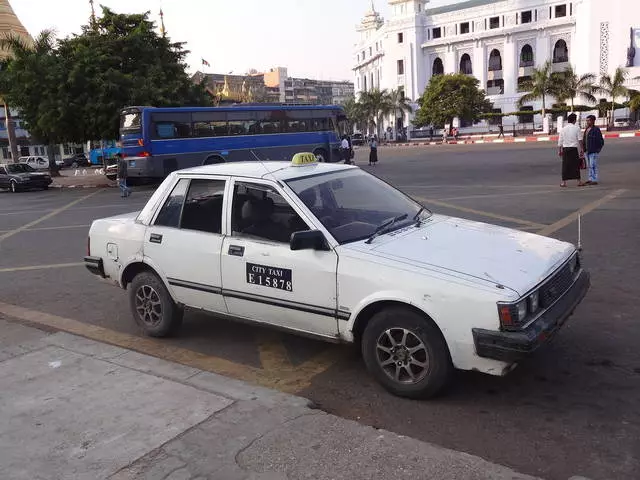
333,252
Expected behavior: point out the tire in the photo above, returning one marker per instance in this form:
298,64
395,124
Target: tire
407,327
321,155
74,165
214,160
13,186
46,187
152,307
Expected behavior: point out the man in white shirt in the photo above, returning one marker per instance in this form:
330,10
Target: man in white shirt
571,150
346,150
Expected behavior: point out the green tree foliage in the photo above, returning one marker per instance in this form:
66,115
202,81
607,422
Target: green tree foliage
613,86
356,116
72,90
568,85
540,86
398,103
375,104
450,96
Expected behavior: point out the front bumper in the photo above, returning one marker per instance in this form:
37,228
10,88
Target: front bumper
514,346
95,266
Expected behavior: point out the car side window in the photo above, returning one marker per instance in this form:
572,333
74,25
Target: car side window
260,211
203,208
2,171
171,211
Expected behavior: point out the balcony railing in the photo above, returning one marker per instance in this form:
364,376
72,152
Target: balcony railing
495,91
526,63
562,59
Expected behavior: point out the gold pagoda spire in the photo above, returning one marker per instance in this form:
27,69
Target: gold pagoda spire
163,30
10,24
93,14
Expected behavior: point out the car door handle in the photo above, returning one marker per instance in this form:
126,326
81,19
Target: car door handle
236,250
155,238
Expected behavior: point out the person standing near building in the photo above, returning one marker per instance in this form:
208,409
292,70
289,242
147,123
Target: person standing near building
593,143
501,128
346,150
373,153
125,191
570,149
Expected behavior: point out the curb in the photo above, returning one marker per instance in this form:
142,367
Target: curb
469,141
53,185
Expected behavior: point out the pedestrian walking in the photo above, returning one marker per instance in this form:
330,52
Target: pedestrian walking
444,135
570,149
501,128
592,142
373,152
431,133
125,191
345,150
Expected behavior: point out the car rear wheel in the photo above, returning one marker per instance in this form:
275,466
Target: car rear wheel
406,353
13,186
152,306
74,165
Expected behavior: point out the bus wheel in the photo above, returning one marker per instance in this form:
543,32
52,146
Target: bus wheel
321,155
213,160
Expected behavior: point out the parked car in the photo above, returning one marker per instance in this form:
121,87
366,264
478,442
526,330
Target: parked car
333,252
77,160
357,139
622,122
111,171
20,176
39,162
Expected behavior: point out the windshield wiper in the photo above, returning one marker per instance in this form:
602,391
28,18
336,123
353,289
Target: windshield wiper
384,226
416,217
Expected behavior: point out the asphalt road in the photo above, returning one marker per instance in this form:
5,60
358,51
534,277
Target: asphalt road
572,409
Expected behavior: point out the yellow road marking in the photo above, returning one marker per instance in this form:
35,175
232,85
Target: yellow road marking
549,229
62,227
40,267
480,212
55,212
273,355
290,379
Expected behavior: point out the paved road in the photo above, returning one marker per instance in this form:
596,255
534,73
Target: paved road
570,410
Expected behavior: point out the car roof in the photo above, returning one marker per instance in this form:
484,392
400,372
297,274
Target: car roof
255,169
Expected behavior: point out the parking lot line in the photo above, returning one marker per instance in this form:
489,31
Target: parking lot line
41,267
490,195
291,379
554,227
61,227
480,212
55,212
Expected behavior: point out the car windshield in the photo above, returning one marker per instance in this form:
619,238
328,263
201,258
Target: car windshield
19,168
353,204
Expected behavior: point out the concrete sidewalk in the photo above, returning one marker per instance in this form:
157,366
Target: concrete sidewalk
72,408
82,178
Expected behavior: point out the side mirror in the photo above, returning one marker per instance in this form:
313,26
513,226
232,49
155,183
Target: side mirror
308,240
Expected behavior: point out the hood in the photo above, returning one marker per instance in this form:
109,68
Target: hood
512,258
28,175
123,217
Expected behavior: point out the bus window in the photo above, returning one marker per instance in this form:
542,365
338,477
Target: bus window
320,124
296,126
210,129
268,122
171,125
130,121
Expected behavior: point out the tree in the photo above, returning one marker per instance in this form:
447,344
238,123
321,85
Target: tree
72,90
540,86
356,116
450,96
399,103
568,85
375,104
30,82
613,86
634,102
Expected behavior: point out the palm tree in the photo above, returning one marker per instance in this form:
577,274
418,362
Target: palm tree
375,104
568,85
399,103
540,85
356,116
613,86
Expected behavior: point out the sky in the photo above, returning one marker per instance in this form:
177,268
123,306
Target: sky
312,38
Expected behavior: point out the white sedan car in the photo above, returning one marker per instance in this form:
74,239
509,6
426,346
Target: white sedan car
333,252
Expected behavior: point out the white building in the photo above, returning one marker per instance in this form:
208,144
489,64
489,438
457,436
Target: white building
497,41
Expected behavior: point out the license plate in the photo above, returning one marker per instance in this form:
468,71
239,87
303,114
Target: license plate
271,277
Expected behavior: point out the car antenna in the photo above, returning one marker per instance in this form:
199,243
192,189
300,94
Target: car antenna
267,172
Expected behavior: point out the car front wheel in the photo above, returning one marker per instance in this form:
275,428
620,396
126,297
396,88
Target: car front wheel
152,306
406,353
13,186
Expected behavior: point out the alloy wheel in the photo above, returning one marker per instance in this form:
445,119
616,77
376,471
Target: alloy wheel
402,355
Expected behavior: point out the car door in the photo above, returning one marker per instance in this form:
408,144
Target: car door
262,278
185,239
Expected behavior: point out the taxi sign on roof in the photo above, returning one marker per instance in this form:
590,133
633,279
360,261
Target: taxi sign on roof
303,158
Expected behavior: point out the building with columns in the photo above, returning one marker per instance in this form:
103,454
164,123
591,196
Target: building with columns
497,41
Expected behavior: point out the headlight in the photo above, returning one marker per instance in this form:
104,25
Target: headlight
521,308
512,315
574,264
534,302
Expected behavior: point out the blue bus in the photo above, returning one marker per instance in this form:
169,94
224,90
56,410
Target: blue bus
157,141
103,153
